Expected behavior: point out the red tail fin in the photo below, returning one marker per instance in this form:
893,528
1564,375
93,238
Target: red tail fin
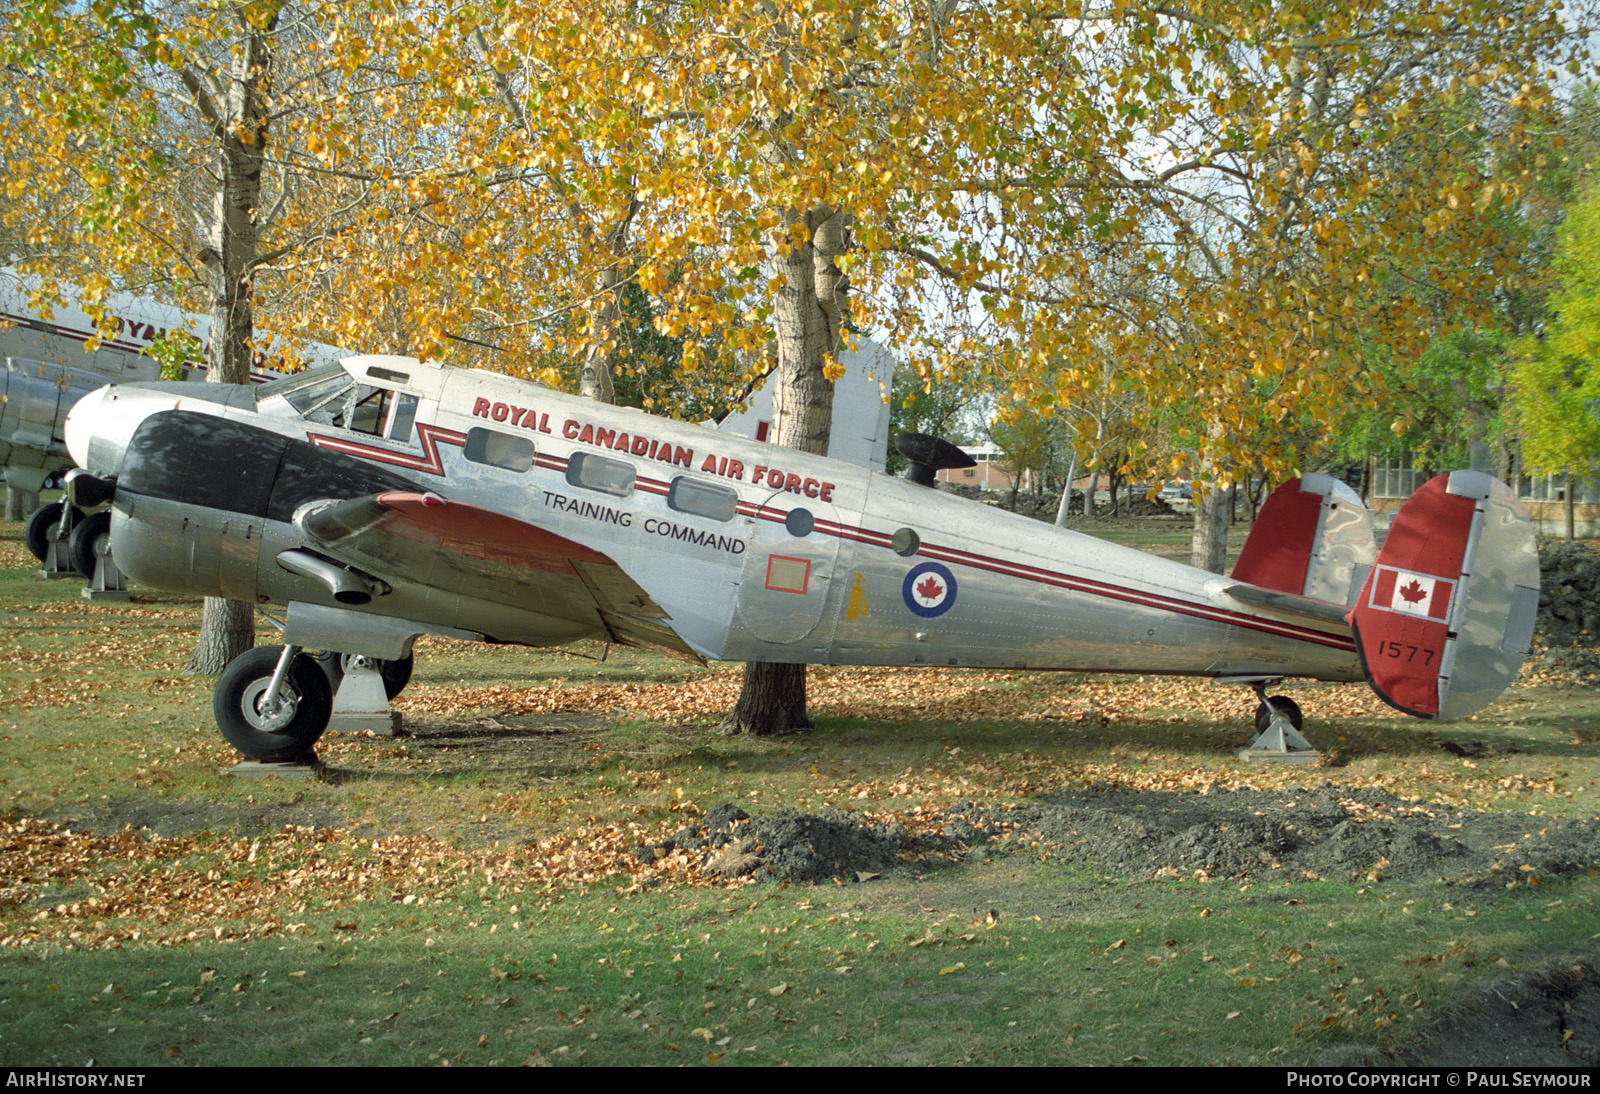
1313,537
1445,619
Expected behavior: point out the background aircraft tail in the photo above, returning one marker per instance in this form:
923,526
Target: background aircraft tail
860,432
1446,616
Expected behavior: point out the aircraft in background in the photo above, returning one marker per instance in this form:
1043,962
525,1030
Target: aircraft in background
384,498
55,354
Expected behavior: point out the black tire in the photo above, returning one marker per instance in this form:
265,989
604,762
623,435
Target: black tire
1288,706
396,674
236,705
37,530
85,537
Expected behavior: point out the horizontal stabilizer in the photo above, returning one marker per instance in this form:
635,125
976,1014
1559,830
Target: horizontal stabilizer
1312,538
1446,617
1304,606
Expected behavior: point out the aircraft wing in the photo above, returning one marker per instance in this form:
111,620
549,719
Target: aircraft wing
457,548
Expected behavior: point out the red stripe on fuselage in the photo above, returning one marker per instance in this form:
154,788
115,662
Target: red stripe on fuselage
429,436
867,536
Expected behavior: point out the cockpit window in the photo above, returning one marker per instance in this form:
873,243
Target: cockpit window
330,396
369,410
328,400
313,377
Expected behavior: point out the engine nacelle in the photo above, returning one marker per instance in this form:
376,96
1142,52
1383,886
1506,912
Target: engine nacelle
205,504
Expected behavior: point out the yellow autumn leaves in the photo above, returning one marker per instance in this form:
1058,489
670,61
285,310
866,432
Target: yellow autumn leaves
1212,196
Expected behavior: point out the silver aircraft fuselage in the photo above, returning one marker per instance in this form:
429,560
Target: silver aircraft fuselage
561,518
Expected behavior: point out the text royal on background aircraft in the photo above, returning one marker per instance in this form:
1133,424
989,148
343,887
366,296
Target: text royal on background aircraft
54,355
383,498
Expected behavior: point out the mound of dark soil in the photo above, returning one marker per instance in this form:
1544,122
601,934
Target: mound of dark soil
1328,832
804,847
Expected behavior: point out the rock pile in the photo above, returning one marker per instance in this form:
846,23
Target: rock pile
1568,632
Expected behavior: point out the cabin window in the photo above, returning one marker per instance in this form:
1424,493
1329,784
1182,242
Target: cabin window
906,542
703,499
593,472
500,450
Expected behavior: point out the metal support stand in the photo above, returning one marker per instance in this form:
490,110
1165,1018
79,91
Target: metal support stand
1279,741
301,769
362,703
108,583
58,555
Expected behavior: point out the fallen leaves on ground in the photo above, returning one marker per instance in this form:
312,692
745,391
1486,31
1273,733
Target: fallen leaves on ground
87,891
893,694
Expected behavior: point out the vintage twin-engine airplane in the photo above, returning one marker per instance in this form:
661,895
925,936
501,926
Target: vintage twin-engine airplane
383,498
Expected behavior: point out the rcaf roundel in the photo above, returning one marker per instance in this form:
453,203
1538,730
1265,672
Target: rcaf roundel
929,589
1409,593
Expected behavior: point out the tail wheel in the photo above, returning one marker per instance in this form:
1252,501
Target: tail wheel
262,729
1286,706
37,530
82,544
396,673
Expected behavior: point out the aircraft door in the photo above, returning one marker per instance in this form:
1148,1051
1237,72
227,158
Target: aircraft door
789,569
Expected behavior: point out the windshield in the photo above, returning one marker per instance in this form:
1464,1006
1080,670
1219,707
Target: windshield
283,385
330,396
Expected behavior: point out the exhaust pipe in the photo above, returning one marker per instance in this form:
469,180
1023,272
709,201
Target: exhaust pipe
347,586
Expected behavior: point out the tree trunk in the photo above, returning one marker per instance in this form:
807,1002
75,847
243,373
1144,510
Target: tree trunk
235,105
1209,547
772,701
600,362
20,505
1064,510
1571,509
809,324
227,629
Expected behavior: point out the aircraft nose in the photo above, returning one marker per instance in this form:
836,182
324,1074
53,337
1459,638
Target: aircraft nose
91,433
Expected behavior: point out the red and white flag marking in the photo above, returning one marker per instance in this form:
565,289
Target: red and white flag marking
1412,593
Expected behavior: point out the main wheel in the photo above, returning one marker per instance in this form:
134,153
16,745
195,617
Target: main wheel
85,538
37,530
261,732
396,674
1290,709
